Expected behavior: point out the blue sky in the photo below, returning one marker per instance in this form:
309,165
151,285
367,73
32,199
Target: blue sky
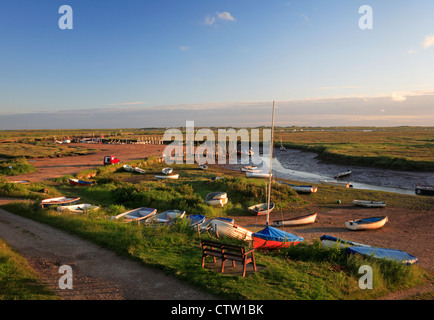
134,63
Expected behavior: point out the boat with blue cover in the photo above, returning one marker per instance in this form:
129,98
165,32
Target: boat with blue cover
383,253
330,241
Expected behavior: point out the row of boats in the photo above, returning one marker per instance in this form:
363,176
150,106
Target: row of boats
269,238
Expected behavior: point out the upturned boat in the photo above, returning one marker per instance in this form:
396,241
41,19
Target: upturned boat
216,199
369,203
78,208
60,201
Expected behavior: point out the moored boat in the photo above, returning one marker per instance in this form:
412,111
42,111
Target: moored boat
139,170
166,217
343,174
223,228
78,208
297,221
330,241
260,209
254,174
301,189
367,223
195,219
60,201
336,183
81,183
167,170
138,214
128,168
271,238
424,190
216,199
167,176
250,169
384,253
369,203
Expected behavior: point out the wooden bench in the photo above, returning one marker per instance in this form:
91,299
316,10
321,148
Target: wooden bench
227,252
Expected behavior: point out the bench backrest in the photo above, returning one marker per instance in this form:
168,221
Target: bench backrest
224,246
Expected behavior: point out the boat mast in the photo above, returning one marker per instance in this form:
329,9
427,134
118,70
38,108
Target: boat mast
271,167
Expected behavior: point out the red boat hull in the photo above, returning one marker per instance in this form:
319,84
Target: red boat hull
261,244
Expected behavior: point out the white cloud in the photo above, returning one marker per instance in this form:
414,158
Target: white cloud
398,98
184,48
209,21
429,41
225,16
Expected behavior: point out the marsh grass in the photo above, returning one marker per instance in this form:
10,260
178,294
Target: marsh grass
15,167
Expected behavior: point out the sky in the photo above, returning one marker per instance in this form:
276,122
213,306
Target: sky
161,63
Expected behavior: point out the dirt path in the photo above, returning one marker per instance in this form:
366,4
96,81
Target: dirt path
98,274
47,168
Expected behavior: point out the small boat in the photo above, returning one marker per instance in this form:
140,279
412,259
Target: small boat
216,198
60,201
260,209
20,181
330,241
301,189
206,225
336,183
203,167
78,208
223,228
195,219
128,168
370,204
167,170
424,190
77,182
343,174
139,170
297,221
250,169
367,224
167,176
137,214
252,174
166,217
271,238
383,253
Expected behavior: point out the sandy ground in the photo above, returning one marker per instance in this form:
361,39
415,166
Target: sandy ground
112,277
57,167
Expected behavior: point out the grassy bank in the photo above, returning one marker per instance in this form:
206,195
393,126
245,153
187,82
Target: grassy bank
17,280
16,167
307,271
392,148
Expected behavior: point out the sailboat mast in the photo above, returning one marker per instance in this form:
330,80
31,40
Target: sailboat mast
271,166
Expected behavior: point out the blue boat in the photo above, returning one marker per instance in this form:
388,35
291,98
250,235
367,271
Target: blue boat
272,238
195,219
383,253
330,241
